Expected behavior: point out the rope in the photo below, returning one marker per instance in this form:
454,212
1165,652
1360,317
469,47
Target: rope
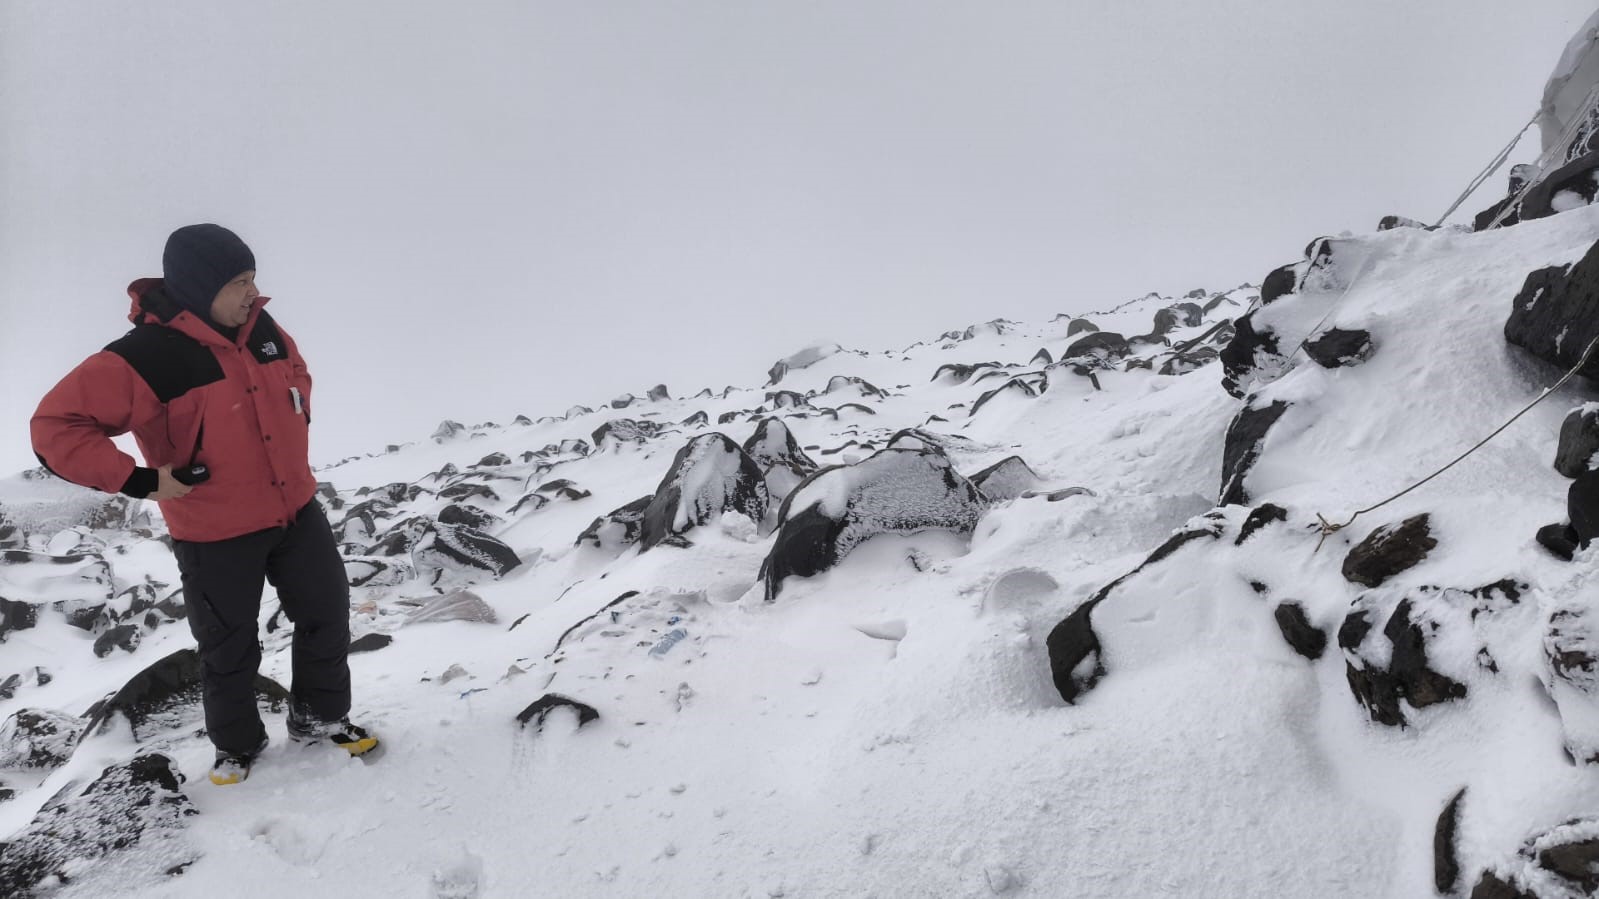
1558,148
1328,528
1487,173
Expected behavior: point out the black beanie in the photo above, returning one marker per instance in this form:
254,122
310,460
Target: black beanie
198,261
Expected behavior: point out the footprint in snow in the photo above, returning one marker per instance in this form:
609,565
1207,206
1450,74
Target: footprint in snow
462,879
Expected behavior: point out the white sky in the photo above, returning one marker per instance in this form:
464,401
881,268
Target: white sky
478,209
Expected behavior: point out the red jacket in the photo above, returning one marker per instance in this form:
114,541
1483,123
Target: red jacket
190,396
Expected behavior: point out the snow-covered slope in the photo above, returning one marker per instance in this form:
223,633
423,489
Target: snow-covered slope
897,723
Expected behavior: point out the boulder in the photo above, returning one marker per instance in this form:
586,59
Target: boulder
625,430
1306,639
1006,479
38,738
1279,282
1041,357
958,373
1556,315
659,393
1080,326
448,430
1242,446
16,616
1389,550
1560,539
137,805
1582,506
1579,440
805,358
469,516
617,528
1103,345
494,460
373,571
1571,674
1029,386
1259,517
858,386
124,637
1394,665
776,453
370,642
166,695
454,547
697,420
530,502
709,476
891,492
1337,347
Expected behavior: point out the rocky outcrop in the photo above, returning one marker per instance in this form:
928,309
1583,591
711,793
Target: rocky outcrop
892,492
617,528
1579,440
38,738
779,456
1104,346
1249,352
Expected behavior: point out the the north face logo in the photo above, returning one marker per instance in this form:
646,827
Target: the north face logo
270,348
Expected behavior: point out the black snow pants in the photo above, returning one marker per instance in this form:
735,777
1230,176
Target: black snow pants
222,584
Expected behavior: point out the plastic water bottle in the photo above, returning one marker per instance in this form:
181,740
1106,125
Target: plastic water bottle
672,638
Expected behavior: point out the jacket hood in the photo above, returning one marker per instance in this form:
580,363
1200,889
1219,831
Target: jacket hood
152,305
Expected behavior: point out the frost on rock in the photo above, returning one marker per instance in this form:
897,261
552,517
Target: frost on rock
1571,657
38,738
1006,479
776,452
1555,316
452,547
458,605
166,696
1430,643
710,475
1242,448
139,804
803,359
894,491
625,430
617,528
1559,863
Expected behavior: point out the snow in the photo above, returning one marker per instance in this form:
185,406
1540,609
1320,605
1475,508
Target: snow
889,727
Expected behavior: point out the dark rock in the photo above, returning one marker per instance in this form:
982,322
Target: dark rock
462,490
1279,283
563,488
470,516
1489,886
540,710
1306,639
1445,852
625,430
1028,385
728,417
532,502
84,616
1105,345
659,393
1041,357
1406,675
1248,352
1080,326
1390,222
1337,347
16,616
1075,655
959,373
1579,440
709,476
844,382
837,508
493,460
135,805
8,687
1576,862
1560,539
447,430
1582,506
1556,315
1389,550
1259,517
38,738
371,571
522,420
623,401
617,528
166,693
697,420
370,642
123,636
1006,479
1241,448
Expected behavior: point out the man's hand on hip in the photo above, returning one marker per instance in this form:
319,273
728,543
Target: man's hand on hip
168,487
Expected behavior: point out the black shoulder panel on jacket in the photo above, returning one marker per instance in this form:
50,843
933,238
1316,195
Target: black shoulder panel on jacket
266,341
171,362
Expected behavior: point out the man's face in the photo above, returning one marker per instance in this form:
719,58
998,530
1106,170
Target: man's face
231,307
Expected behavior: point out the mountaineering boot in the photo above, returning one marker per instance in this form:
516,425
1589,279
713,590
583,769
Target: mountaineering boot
232,767
351,738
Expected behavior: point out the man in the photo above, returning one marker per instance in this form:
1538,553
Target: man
219,402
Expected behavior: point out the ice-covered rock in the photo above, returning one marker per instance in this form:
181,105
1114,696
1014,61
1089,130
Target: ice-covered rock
38,738
1242,447
1339,347
710,475
1006,479
617,528
1555,316
805,358
1579,440
166,696
1561,862
135,805
778,454
892,492
1102,345
1389,550
453,547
